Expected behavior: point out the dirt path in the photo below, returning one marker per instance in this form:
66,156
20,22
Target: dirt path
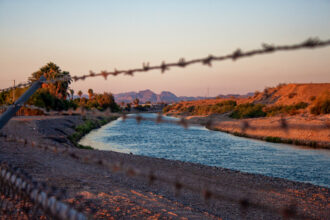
116,195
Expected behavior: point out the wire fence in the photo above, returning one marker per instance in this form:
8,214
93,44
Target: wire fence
244,125
23,198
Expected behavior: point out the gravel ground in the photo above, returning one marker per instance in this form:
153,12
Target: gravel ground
123,196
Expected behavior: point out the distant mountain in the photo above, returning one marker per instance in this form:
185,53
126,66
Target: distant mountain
166,96
83,96
148,95
235,95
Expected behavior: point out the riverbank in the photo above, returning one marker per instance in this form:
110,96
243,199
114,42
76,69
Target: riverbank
311,131
88,125
117,195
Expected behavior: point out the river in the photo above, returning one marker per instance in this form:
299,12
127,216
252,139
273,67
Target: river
200,145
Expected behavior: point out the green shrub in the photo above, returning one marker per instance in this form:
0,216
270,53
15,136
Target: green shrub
300,105
167,108
248,110
142,108
219,108
239,134
292,94
273,139
178,106
285,109
321,104
227,102
87,126
44,99
191,108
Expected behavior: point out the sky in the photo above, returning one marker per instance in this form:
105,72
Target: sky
80,36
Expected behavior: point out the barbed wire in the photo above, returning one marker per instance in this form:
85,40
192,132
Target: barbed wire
310,43
21,197
287,211
244,125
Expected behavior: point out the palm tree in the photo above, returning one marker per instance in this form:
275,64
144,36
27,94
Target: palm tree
136,102
62,86
72,93
90,94
51,71
80,93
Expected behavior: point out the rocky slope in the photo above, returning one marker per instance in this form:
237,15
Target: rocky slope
291,93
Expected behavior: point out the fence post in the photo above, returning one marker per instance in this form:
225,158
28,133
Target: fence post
11,111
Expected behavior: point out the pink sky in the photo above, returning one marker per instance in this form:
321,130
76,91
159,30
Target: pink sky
113,34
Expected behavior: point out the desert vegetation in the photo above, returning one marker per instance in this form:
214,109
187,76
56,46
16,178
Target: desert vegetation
248,110
321,104
218,108
282,100
86,127
58,96
284,109
245,110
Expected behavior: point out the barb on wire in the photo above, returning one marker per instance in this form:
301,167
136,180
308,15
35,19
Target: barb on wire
310,43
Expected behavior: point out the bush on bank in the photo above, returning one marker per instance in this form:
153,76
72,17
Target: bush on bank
86,127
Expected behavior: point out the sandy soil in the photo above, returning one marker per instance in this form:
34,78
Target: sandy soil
289,94
115,195
307,130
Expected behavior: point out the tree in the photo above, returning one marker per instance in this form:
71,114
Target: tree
4,98
104,101
72,93
80,93
136,102
90,93
51,72
128,107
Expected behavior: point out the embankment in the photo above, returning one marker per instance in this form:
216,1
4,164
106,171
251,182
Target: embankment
312,131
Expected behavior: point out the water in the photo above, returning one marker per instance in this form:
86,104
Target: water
213,148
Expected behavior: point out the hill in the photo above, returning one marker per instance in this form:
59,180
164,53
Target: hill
150,96
284,98
291,93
